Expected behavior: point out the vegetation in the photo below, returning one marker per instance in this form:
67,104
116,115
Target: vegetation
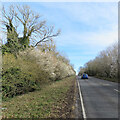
39,104
20,76
105,65
30,70
24,28
28,65
35,76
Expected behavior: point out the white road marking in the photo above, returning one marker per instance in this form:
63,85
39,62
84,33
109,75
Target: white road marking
116,90
3,108
81,98
105,84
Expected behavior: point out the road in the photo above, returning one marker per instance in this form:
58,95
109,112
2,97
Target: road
100,97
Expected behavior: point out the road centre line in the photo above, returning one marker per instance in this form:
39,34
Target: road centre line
116,90
81,98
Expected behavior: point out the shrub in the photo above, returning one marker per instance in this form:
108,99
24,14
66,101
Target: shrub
20,76
29,70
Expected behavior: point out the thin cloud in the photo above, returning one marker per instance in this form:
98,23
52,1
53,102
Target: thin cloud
104,38
89,13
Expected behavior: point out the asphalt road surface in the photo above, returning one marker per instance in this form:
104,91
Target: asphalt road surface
100,97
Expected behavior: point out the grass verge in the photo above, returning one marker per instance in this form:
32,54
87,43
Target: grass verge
43,103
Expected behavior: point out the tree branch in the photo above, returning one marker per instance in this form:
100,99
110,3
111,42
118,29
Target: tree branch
47,37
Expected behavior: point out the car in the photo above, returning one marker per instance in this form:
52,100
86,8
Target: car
84,76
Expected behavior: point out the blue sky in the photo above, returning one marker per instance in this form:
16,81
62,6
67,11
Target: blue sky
86,27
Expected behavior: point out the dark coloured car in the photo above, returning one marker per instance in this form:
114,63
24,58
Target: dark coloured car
84,76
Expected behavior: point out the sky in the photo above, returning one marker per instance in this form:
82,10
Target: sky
86,27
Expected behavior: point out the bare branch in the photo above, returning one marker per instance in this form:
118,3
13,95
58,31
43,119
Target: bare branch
32,26
47,37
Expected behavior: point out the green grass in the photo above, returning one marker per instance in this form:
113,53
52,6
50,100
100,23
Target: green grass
37,104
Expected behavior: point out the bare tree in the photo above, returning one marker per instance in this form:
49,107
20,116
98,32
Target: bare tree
33,28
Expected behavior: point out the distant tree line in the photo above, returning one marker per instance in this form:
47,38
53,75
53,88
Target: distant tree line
104,65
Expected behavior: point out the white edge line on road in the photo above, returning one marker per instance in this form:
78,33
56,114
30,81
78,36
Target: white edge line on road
116,90
81,98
